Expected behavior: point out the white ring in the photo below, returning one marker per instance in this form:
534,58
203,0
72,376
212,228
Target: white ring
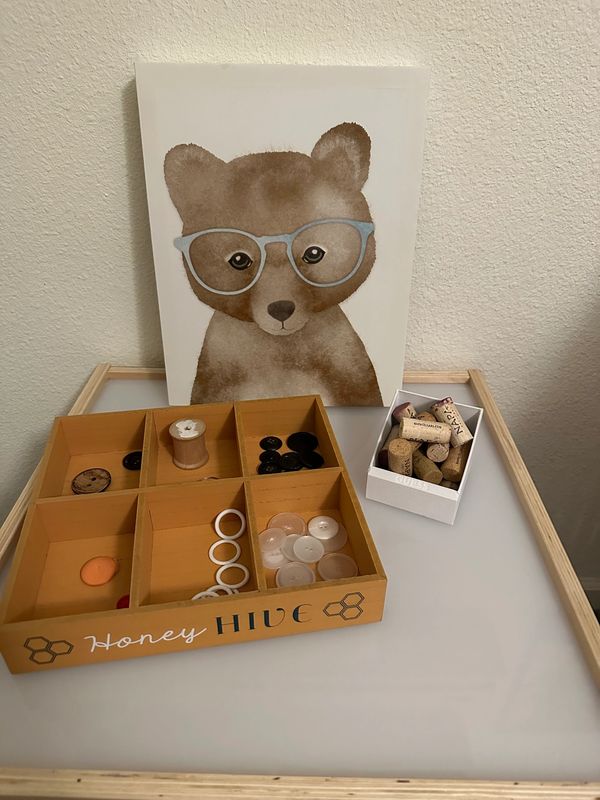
218,587
224,513
213,547
239,585
205,593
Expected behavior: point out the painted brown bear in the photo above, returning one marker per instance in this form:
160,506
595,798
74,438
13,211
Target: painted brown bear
274,242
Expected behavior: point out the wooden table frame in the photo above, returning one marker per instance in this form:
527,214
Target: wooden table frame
149,785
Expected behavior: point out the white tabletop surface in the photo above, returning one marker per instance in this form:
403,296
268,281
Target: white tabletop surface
473,673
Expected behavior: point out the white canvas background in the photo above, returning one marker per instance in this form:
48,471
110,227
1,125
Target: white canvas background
232,111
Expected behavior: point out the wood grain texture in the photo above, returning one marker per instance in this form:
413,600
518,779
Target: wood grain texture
178,786
410,376
12,524
583,620
424,376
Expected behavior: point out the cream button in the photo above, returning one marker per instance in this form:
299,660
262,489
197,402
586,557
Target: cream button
271,539
287,547
338,541
323,528
273,559
308,549
337,565
294,574
288,522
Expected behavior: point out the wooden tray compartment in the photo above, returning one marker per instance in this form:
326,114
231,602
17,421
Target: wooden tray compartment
221,442
310,494
175,532
95,440
282,417
62,534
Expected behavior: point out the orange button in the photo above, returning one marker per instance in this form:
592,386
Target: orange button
99,570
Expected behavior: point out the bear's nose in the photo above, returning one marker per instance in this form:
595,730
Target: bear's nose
281,309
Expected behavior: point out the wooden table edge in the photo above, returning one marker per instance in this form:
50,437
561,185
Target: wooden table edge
48,783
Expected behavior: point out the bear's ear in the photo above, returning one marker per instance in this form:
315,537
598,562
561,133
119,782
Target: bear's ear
189,169
345,151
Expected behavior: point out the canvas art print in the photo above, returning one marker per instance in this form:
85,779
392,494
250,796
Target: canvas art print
283,208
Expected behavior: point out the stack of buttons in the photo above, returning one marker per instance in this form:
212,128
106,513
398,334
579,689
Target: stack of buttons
294,549
302,454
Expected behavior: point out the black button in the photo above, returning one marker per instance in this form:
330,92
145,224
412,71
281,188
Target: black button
311,460
290,462
133,460
270,457
270,443
268,469
91,481
302,441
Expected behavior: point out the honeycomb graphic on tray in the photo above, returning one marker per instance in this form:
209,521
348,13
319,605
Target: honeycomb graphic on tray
43,651
349,607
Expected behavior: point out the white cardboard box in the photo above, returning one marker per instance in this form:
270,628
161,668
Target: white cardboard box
413,494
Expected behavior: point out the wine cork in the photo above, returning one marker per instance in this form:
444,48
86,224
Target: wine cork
424,431
449,485
445,411
400,456
454,466
438,452
383,458
425,469
425,415
189,447
404,410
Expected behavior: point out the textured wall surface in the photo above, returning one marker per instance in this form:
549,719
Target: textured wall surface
506,272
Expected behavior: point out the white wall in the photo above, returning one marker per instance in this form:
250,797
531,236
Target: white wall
506,272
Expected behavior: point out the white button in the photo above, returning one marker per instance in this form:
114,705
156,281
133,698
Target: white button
295,574
273,559
337,565
287,548
289,522
308,549
323,528
271,540
338,541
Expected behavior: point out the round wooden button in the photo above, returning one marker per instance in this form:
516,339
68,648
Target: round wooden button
91,481
99,570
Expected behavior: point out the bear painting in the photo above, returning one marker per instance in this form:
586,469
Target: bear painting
274,242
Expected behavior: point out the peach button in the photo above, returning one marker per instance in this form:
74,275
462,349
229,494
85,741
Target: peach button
99,570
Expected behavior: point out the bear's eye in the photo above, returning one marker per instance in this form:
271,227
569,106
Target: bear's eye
240,260
313,254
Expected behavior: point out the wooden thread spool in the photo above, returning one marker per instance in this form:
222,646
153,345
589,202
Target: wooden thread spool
438,452
189,446
400,455
404,410
425,469
383,457
446,411
424,431
454,466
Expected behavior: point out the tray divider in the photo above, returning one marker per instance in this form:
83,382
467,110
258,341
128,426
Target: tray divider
141,562
252,530
149,453
241,436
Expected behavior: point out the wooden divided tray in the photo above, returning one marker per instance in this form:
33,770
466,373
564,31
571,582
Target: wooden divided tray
158,523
